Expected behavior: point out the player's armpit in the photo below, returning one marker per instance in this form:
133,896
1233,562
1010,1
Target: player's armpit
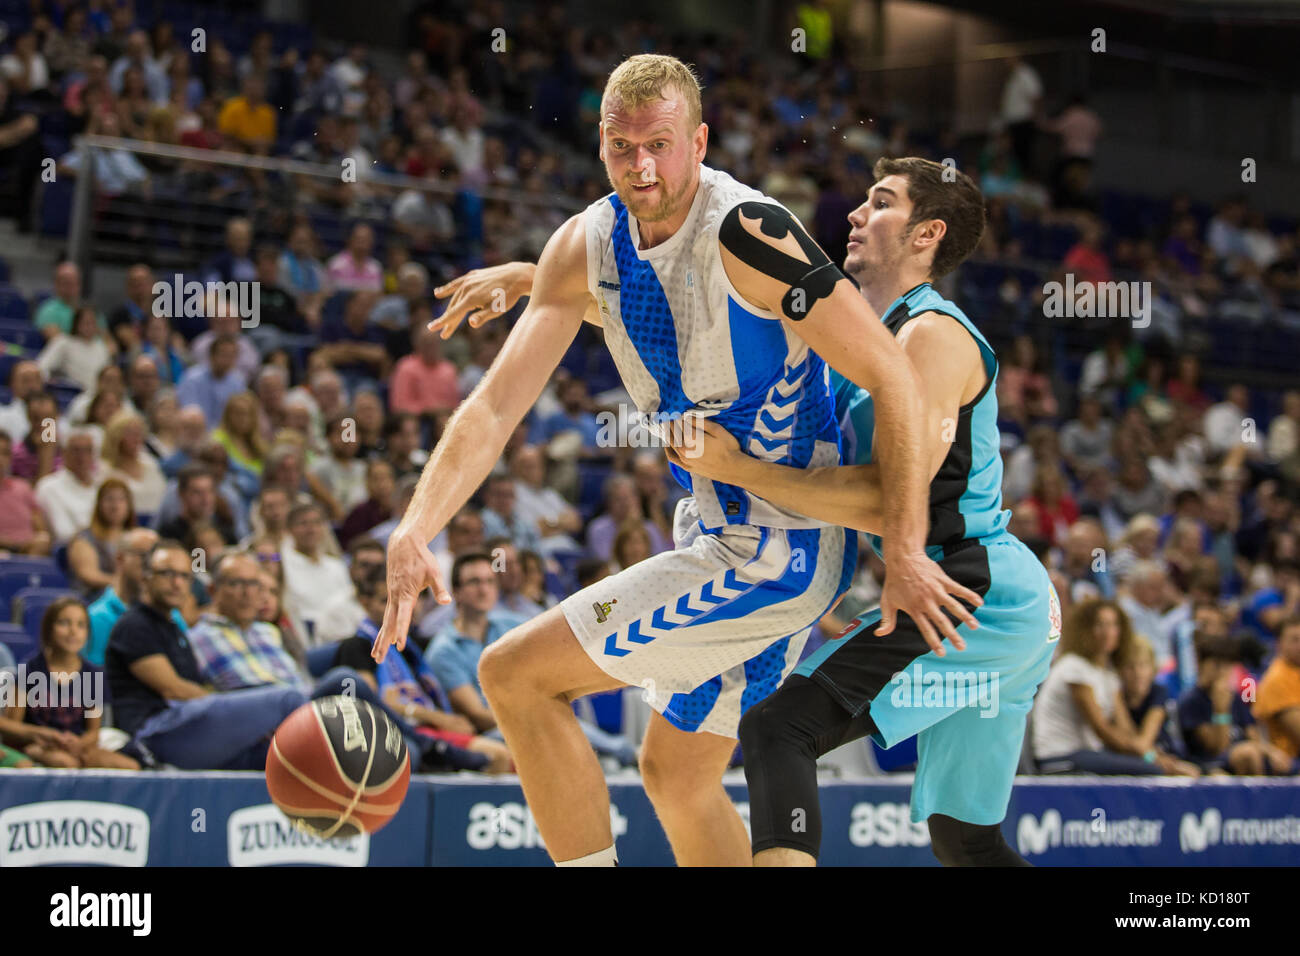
951,372
772,261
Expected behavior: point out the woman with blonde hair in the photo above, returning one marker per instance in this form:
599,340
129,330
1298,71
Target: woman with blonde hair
92,553
1081,721
239,434
125,457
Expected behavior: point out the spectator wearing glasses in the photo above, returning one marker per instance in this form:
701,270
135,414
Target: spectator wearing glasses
157,689
454,653
126,589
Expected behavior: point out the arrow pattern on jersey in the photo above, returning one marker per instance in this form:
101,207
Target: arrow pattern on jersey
689,606
775,425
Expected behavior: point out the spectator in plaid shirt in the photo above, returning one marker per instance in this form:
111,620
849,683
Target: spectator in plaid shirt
235,651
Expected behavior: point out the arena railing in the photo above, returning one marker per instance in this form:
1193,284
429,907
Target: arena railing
178,220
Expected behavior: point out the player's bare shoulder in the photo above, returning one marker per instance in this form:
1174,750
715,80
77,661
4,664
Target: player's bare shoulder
939,345
772,261
562,268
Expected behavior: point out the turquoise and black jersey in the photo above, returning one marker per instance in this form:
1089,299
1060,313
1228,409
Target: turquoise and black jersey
966,493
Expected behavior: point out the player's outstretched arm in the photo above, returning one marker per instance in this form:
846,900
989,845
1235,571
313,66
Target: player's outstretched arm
477,432
774,265
482,295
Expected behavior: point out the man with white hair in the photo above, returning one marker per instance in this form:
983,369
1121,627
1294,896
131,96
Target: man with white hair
271,387
191,433
68,495
1148,602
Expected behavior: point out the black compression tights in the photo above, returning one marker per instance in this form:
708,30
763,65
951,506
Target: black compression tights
783,736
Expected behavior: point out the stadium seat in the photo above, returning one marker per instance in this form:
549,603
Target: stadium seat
21,644
16,574
22,333
30,603
13,304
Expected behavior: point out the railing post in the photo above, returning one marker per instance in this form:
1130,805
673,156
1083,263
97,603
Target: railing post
82,216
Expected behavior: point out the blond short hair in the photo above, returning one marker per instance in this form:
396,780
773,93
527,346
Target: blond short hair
646,77
1139,649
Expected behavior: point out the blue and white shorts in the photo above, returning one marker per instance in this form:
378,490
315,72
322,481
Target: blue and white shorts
711,628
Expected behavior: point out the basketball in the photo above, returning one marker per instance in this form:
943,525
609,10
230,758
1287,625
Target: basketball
338,767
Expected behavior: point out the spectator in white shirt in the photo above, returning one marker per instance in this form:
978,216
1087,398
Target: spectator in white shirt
317,587
78,357
25,379
1021,96
1225,427
68,495
1081,722
126,457
342,472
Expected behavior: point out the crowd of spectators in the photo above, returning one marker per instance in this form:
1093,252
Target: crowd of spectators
219,496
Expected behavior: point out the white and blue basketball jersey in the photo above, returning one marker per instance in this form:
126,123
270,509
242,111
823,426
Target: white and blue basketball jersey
685,340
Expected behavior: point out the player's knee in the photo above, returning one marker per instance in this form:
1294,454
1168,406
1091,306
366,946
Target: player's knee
765,728
673,781
958,843
503,667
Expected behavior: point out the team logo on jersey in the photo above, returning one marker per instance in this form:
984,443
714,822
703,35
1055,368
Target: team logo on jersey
852,626
603,609
1054,615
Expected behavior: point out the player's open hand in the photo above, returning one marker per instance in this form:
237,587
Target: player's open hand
916,585
703,447
411,569
482,295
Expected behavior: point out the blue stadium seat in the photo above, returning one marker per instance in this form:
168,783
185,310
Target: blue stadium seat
19,573
21,644
13,304
591,487
22,333
29,604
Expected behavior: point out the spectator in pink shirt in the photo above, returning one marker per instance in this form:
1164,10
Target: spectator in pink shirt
355,268
424,381
23,528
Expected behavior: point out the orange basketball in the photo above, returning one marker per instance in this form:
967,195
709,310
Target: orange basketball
337,767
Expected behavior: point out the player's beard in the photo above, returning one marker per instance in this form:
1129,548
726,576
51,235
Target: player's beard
664,209
866,268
